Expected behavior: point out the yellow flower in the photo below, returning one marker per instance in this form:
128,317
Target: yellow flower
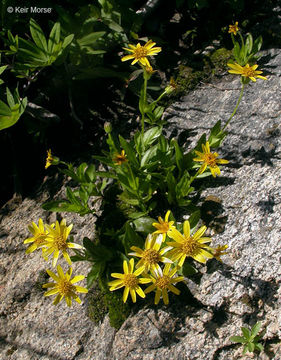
63,286
139,53
219,251
151,255
233,28
38,238
130,280
209,159
163,226
247,71
56,241
51,160
189,245
119,159
162,282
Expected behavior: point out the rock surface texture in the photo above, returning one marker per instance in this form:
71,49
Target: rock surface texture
245,211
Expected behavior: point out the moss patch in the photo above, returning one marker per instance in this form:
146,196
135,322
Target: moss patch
102,301
202,69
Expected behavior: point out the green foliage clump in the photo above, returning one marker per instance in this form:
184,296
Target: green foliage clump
250,339
220,58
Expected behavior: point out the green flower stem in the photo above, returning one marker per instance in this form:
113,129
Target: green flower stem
232,38
160,97
144,101
236,107
194,177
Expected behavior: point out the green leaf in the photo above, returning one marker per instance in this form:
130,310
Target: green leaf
131,238
251,347
246,332
54,38
2,68
259,347
257,45
71,197
245,349
151,135
144,224
61,205
10,98
149,156
238,339
188,269
194,219
249,44
8,121
255,329
67,40
4,109
88,40
38,36
90,173
94,274
179,155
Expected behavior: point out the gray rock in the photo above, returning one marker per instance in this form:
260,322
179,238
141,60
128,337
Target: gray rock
239,292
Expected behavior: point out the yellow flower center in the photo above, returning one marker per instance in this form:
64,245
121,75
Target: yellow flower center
40,238
140,52
189,246
163,282
131,281
65,287
248,72
210,159
60,242
151,256
164,227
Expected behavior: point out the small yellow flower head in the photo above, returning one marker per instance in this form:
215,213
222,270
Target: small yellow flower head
39,236
63,286
56,241
119,159
51,160
247,71
188,245
151,255
149,70
163,226
139,53
219,251
209,159
129,280
162,282
233,28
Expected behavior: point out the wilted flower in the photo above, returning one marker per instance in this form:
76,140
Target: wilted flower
51,160
234,28
119,159
219,251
